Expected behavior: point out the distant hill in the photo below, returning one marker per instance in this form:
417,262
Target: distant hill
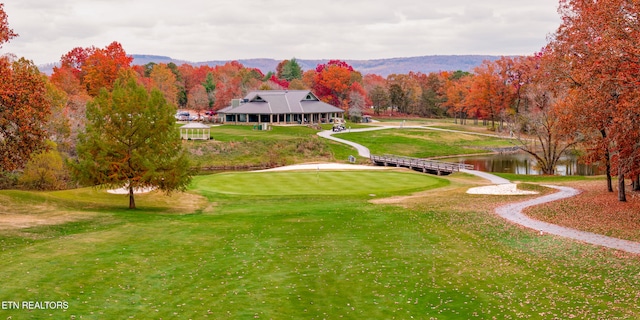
382,67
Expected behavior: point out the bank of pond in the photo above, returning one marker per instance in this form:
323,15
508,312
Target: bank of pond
522,163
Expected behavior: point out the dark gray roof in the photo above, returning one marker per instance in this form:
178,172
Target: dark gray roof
281,102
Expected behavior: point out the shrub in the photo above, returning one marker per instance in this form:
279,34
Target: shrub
45,171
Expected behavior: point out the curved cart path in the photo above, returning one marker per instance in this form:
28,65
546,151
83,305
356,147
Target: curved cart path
513,211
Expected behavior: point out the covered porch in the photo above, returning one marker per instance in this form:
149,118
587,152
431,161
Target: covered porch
294,118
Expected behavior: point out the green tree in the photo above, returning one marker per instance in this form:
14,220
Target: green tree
131,140
289,70
209,85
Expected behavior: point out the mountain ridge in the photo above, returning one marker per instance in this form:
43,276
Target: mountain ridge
382,67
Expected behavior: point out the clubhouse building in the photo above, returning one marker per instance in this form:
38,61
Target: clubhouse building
279,107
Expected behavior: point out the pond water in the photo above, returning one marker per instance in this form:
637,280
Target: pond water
522,163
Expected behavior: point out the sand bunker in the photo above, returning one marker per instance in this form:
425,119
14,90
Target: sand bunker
125,190
500,189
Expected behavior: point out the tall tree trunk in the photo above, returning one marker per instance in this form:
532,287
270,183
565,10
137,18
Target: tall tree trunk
636,183
622,197
607,162
132,201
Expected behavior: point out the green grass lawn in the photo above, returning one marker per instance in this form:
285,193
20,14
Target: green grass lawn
423,143
239,246
243,147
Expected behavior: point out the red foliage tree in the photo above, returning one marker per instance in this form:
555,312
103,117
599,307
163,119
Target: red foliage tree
24,109
283,84
6,33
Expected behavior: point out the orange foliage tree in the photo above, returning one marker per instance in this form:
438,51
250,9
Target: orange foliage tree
490,94
163,79
456,88
597,54
332,82
102,67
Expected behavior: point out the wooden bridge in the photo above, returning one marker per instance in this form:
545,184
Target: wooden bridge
427,166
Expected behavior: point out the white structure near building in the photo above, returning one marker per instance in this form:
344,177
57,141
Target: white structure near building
195,131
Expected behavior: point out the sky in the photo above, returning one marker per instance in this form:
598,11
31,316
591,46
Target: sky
204,30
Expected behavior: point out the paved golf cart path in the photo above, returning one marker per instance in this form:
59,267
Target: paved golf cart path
513,211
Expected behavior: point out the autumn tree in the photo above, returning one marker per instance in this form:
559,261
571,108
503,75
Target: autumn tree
432,96
376,89
102,67
398,98
58,127
24,111
297,84
131,140
6,33
332,82
357,102
198,99
490,94
163,79
275,83
545,130
379,98
24,108
74,60
597,55
456,89
404,92
65,79
182,93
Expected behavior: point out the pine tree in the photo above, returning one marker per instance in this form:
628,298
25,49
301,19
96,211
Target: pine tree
131,140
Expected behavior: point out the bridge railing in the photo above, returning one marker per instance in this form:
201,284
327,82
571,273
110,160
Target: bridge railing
420,163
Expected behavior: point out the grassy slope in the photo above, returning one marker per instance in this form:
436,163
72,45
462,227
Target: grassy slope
241,146
441,254
422,143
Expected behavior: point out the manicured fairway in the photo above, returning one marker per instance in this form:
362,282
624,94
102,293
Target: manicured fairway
423,143
317,183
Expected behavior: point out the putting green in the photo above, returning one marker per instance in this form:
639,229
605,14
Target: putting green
316,182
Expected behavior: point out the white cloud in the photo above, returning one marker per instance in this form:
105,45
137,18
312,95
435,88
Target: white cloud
219,30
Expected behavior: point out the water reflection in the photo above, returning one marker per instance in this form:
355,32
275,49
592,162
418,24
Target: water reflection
522,163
